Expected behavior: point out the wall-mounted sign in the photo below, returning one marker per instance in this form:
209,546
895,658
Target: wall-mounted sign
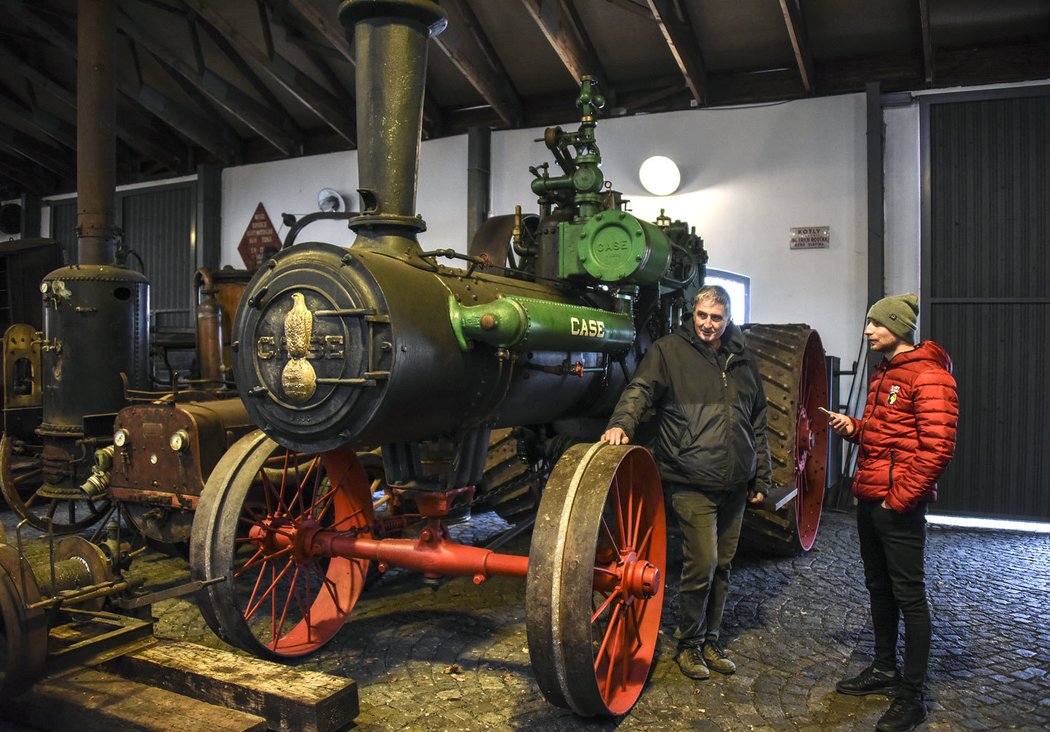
260,241
810,237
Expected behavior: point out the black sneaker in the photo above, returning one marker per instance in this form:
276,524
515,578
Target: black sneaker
905,713
870,681
716,658
691,661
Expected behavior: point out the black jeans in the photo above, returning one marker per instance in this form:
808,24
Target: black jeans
710,520
893,546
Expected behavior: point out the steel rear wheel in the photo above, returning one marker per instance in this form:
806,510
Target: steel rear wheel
594,592
794,374
278,601
55,509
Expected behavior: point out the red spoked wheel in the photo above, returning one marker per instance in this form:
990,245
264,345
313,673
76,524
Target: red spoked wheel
252,526
593,625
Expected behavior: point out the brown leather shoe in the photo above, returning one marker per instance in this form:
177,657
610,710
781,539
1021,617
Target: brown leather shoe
716,658
691,661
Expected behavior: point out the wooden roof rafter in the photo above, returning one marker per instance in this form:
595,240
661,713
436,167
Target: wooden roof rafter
796,28
218,90
328,108
560,24
681,40
470,51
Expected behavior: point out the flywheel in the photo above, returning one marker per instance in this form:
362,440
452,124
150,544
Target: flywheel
794,374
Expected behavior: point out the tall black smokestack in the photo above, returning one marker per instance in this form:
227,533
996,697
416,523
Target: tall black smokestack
390,38
97,235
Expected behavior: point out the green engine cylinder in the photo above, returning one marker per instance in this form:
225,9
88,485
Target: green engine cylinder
615,247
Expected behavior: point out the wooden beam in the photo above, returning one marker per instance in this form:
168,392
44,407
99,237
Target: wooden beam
470,51
46,156
174,115
287,697
54,127
130,128
339,38
100,701
332,32
640,10
295,34
560,26
31,178
796,28
312,95
218,140
683,46
253,114
927,39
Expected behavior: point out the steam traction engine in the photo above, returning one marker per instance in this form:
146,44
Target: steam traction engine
338,349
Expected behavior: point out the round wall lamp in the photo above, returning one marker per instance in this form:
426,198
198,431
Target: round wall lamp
328,199
660,175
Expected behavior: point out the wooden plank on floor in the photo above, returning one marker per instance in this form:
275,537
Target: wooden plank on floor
93,701
288,698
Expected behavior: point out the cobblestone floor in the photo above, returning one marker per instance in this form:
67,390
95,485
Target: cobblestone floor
794,626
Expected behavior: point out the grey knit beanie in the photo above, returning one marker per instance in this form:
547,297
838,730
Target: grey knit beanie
898,314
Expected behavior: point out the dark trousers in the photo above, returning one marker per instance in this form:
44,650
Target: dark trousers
710,521
892,546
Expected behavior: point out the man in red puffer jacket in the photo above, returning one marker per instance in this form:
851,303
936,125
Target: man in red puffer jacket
906,439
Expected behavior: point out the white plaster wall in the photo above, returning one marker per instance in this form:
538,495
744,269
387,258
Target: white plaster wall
291,186
749,175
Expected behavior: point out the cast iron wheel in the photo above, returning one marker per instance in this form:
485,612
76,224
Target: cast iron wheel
594,593
23,631
794,374
276,602
61,510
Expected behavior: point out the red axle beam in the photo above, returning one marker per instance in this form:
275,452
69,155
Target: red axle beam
435,556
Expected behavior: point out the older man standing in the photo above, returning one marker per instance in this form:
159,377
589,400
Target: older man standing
712,454
906,438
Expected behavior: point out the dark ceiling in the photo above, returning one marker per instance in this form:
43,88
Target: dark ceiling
242,81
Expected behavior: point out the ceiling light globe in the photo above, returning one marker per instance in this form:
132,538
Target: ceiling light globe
660,175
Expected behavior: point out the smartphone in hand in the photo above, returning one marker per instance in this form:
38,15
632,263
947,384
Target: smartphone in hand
825,411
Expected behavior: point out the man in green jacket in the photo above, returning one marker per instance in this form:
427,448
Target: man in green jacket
712,454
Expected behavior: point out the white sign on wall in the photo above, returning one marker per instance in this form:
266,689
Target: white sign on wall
810,237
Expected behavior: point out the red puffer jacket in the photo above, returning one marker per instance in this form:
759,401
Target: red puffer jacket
907,434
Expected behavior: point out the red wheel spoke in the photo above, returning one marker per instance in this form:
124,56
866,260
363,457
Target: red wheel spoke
635,529
643,546
269,591
611,649
614,620
352,517
255,588
327,584
260,554
268,492
635,611
608,601
278,628
608,534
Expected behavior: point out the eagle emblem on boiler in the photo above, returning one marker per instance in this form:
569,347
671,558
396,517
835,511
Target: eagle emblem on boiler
298,378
